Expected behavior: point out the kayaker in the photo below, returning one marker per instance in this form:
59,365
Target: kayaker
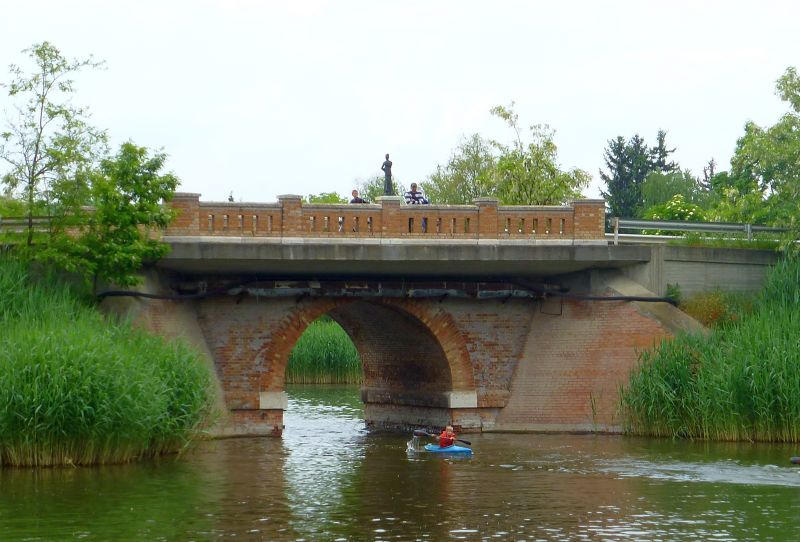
447,437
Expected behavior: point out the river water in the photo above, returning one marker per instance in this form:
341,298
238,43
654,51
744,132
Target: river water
329,479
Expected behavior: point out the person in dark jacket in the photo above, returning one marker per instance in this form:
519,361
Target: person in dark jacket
357,199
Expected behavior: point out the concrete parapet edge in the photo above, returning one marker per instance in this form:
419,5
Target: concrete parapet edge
462,399
273,400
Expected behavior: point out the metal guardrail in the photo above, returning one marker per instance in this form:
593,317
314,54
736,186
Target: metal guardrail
682,225
20,223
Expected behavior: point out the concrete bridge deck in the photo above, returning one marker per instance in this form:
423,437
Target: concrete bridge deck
320,257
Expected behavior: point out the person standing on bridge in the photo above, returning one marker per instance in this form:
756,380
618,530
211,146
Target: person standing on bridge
388,190
415,197
356,198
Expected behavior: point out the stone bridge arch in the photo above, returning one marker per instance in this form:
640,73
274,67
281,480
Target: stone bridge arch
415,363
417,367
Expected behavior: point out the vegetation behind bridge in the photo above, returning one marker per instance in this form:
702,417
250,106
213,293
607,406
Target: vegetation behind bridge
324,354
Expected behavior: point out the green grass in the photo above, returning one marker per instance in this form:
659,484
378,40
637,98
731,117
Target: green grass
324,354
77,389
740,382
760,241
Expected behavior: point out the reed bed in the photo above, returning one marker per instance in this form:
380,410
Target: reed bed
77,389
717,308
324,354
740,382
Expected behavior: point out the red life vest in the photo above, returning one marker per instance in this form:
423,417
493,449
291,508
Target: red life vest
446,439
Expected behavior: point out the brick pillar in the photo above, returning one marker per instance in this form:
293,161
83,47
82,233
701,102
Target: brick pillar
291,215
391,220
187,214
589,219
487,218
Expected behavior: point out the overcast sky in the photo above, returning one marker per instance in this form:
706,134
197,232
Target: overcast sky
297,97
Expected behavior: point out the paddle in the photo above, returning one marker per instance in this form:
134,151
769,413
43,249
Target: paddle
422,433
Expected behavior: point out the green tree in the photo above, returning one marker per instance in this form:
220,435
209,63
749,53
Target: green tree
763,185
326,197
529,174
660,155
659,187
49,145
788,88
745,207
467,175
629,163
128,193
709,171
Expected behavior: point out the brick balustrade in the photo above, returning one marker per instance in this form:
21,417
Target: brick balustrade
389,218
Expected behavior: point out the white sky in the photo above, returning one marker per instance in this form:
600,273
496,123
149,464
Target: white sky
266,98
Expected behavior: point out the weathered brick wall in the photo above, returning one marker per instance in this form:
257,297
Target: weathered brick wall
573,365
494,333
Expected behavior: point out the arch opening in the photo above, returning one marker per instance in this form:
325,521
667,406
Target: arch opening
398,352
324,354
413,372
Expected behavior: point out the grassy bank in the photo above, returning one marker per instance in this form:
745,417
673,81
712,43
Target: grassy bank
324,354
741,382
77,389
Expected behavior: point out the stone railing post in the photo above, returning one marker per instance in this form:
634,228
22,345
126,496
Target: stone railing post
187,214
589,218
291,215
487,217
391,220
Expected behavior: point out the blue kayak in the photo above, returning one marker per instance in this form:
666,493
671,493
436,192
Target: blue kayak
448,449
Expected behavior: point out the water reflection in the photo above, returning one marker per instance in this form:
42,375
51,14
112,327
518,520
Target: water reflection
328,479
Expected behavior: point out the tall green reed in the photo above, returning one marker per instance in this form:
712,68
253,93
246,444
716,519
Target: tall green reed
740,382
324,354
77,389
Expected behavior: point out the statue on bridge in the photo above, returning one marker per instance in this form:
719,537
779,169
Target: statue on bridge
388,190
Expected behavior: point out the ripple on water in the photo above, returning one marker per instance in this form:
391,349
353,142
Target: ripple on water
329,479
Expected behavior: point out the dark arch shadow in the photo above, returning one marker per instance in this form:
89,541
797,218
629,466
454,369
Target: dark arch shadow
398,352
407,347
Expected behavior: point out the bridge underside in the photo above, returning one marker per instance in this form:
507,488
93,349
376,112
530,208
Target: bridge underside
504,355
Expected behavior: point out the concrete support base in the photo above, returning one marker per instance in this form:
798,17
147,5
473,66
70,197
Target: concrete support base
251,423
273,400
407,418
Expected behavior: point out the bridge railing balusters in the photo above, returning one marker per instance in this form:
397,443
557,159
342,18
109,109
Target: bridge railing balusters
486,219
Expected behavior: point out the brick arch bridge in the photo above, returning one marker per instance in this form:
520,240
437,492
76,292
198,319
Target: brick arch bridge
453,309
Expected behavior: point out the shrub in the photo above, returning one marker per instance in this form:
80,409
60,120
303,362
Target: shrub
717,308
